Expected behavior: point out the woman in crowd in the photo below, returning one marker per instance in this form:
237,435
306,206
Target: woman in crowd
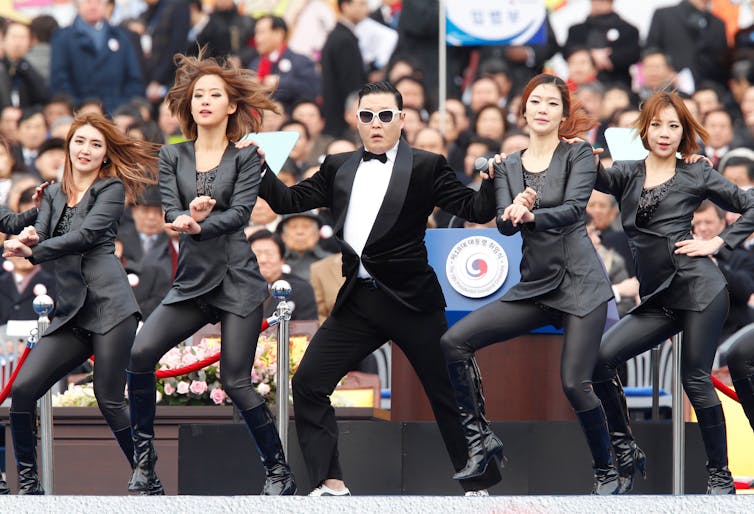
681,288
562,283
208,189
96,312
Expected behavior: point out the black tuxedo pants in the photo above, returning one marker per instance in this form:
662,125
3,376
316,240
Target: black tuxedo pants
368,319
637,333
170,324
57,354
499,321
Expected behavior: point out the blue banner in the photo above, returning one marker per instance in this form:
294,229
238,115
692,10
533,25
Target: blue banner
494,22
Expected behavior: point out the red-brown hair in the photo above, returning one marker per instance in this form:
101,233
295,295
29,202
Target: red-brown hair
241,86
576,121
132,160
692,129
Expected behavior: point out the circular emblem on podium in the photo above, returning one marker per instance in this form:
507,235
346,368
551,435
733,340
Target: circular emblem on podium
476,266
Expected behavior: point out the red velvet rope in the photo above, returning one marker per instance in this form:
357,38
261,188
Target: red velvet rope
165,373
6,390
727,391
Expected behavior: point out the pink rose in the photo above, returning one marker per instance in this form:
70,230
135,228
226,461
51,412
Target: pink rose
183,387
218,396
254,376
198,386
263,389
169,389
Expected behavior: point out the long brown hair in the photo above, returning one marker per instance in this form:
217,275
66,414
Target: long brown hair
133,161
241,86
576,121
692,129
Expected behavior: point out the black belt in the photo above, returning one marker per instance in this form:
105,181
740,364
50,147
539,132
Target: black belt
369,283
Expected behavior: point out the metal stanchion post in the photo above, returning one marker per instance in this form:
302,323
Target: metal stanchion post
43,306
281,290
654,362
678,433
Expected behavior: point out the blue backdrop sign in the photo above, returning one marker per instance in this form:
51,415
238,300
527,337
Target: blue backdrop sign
495,22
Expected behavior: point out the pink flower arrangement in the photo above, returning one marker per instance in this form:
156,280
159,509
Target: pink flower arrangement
204,387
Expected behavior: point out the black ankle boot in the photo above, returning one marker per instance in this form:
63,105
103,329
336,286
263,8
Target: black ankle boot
280,481
606,479
483,445
712,424
25,446
141,402
629,458
126,444
745,391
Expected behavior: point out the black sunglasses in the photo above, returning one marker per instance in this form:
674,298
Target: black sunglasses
386,116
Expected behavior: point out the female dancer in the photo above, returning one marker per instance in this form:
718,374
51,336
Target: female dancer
96,312
681,289
208,189
562,280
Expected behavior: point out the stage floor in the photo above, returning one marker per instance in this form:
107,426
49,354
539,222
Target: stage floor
378,504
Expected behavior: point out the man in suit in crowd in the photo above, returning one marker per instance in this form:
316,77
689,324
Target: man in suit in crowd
380,196
270,249
693,38
343,69
293,75
612,42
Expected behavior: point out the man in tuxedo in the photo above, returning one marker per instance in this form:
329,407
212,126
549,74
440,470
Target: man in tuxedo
380,196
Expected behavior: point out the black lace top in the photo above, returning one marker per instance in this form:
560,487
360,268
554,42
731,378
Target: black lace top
536,181
649,200
64,225
204,181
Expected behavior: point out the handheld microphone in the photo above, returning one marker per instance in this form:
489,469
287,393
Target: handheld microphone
481,164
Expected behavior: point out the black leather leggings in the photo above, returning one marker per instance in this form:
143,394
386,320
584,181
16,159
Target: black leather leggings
168,325
741,354
57,354
500,321
637,333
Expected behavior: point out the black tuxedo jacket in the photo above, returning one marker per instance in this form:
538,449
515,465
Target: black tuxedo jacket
559,265
684,282
90,281
394,253
12,223
219,259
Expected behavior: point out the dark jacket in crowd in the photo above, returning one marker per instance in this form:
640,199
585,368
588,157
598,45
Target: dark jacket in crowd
613,32
298,77
150,284
18,306
302,296
111,73
342,74
21,80
693,39
167,24
215,36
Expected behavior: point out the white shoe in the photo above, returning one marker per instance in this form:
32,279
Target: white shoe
323,490
480,492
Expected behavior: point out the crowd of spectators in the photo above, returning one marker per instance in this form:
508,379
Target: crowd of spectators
314,57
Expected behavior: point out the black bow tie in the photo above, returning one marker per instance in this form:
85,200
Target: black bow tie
368,156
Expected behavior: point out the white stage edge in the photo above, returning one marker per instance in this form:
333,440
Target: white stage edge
378,504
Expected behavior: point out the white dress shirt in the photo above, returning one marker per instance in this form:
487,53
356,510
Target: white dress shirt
369,188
